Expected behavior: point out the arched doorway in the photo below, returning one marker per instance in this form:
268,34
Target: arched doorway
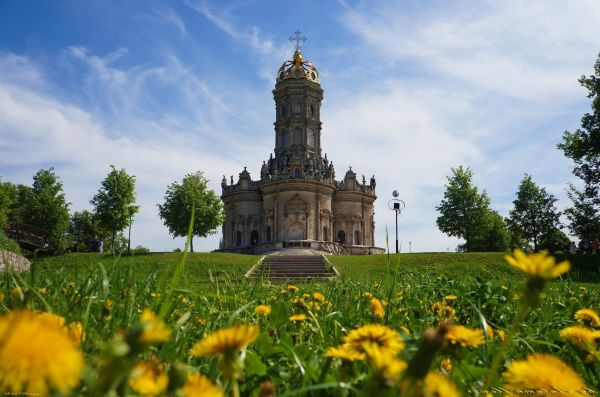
357,238
296,231
268,233
254,237
341,237
325,234
238,238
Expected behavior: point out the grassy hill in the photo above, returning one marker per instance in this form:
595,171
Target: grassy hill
489,267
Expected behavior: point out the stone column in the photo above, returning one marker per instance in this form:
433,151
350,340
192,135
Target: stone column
318,217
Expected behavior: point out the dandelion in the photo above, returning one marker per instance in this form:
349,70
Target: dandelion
36,354
198,385
368,295
542,371
458,335
501,335
384,361
442,310
298,302
148,379
319,297
587,317
262,310
451,297
17,292
385,338
438,385
226,341
298,318
581,337
75,331
155,331
447,364
343,352
292,288
377,308
537,265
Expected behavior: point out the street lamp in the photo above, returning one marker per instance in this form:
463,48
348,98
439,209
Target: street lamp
397,206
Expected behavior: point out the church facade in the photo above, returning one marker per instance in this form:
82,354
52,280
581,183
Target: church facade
297,202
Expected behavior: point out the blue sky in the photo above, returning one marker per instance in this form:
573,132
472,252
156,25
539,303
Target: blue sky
412,88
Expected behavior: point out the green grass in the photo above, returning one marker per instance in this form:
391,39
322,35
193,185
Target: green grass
107,296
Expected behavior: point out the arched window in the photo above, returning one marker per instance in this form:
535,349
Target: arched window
311,110
254,237
357,238
238,238
310,138
341,237
268,233
297,173
297,138
325,234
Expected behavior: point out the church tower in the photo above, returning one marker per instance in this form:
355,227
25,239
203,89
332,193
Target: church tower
298,96
297,202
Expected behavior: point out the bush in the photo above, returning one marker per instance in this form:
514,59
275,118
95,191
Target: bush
140,250
8,244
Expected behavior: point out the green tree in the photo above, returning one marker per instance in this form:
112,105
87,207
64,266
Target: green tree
82,227
8,197
176,211
556,240
583,145
464,212
114,204
44,206
583,216
495,237
534,215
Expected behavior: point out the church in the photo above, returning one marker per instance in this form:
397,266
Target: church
297,202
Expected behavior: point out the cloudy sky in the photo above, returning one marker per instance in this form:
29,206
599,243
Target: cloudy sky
412,88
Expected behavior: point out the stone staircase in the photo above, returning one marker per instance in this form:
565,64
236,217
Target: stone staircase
293,267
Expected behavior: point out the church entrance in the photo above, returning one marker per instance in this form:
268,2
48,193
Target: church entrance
296,231
341,237
254,237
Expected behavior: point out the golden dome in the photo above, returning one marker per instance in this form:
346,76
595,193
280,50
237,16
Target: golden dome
298,69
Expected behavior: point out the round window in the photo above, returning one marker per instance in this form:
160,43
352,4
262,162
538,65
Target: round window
313,76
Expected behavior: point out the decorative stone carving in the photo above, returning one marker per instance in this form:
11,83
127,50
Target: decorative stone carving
15,262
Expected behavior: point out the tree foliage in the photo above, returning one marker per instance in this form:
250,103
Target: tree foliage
82,228
8,196
114,204
583,147
534,215
180,198
464,212
44,206
495,237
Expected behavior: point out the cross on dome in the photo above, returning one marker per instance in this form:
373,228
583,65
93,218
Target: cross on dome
297,39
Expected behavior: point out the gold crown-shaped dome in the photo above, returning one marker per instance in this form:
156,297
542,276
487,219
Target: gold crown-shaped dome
298,68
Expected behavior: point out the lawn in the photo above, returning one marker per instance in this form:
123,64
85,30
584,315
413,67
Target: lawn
405,295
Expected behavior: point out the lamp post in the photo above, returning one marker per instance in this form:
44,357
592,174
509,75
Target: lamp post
397,206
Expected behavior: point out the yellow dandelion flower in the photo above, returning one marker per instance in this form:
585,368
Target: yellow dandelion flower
198,385
17,292
542,371
447,364
377,308
36,354
368,295
458,335
76,332
226,341
451,297
344,353
537,265
148,379
501,335
298,302
298,318
405,329
582,337
587,317
384,361
57,320
292,288
155,331
319,297
442,310
262,310
489,331
385,338
438,385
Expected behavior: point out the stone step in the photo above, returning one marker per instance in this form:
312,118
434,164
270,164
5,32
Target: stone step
294,267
